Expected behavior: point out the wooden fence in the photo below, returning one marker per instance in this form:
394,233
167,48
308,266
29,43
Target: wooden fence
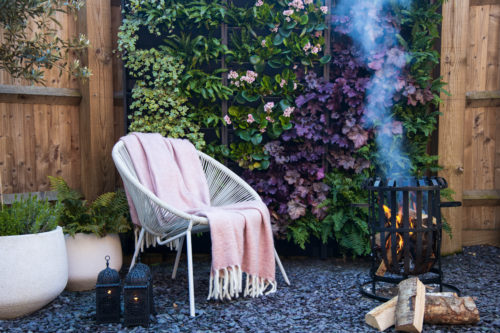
68,128
470,126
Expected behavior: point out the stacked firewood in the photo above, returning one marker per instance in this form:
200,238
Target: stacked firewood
413,307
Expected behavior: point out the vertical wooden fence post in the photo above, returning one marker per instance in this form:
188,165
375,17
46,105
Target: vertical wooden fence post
96,108
451,125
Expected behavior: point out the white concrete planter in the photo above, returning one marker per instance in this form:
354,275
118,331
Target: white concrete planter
33,271
86,254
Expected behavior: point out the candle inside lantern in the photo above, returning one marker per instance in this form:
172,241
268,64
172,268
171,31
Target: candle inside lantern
136,299
109,291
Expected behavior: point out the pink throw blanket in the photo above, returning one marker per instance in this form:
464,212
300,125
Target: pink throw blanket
241,234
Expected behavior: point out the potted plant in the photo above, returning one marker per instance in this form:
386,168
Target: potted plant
34,265
91,232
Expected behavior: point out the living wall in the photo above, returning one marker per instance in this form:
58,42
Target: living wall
253,75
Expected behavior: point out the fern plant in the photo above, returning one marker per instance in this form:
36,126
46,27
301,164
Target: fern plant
348,224
29,216
108,213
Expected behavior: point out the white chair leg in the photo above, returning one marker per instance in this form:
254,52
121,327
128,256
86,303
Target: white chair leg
138,246
190,272
178,257
278,261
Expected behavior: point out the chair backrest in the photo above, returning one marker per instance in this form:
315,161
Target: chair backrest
156,216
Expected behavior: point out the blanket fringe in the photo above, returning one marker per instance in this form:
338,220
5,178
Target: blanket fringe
151,240
227,283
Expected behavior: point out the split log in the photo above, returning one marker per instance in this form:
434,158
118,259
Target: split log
382,268
440,308
410,305
383,316
448,308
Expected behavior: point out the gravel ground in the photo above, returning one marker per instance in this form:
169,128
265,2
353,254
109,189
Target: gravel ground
323,297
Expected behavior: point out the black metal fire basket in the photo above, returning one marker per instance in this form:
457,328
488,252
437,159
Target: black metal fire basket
406,228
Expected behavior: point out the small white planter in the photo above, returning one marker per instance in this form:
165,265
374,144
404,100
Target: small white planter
86,254
33,271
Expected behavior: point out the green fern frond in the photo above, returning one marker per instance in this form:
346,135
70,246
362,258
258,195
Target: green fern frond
64,192
104,200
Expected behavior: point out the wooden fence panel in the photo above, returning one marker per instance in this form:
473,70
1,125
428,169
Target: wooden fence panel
475,171
41,130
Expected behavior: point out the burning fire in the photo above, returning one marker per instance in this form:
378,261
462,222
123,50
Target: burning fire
399,224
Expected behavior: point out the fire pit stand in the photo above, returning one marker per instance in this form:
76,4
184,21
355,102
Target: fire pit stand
406,228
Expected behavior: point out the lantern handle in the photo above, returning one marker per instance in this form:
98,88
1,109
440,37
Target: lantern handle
107,258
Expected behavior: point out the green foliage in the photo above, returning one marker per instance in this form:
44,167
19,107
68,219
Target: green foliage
349,224
29,216
105,215
28,49
274,44
263,42
419,32
159,103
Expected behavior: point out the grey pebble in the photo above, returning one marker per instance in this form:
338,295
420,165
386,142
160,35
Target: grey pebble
323,297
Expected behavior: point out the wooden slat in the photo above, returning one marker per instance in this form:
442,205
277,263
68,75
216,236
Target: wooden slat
9,198
451,125
480,127
480,237
477,99
484,2
96,109
481,198
39,95
28,139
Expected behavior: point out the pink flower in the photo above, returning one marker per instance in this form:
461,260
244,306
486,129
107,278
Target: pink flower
308,2
232,75
288,111
315,50
297,4
263,130
288,19
263,43
268,107
288,12
307,47
259,3
324,9
294,86
282,83
250,118
227,119
249,77
269,119
318,34
275,29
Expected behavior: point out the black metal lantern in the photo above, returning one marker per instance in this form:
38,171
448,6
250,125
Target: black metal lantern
108,290
147,271
136,298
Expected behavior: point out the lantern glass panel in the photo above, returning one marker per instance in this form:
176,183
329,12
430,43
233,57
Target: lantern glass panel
108,304
137,306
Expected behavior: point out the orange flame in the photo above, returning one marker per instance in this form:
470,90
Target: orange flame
399,222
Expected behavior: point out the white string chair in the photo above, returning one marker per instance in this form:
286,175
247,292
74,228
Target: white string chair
164,224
